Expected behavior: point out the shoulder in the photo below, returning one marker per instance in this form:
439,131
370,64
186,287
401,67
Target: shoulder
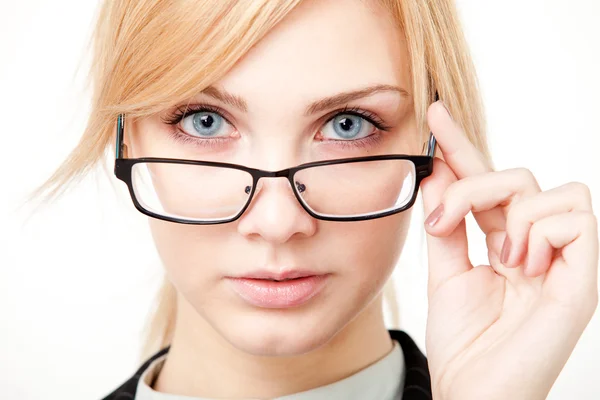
127,390
417,382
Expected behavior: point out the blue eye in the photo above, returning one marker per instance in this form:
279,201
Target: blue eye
205,124
347,127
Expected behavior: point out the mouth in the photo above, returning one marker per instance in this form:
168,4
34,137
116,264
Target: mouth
278,290
280,276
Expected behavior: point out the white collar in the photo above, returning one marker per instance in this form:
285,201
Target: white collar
383,380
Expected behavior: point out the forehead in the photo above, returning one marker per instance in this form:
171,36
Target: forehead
321,48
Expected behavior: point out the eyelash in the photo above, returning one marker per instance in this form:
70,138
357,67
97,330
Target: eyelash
367,115
176,116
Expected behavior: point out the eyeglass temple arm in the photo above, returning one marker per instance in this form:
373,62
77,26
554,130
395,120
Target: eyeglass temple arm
121,148
431,146
432,141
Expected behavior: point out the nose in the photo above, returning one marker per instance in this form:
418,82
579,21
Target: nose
275,215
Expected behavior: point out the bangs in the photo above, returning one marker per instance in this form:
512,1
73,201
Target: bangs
173,49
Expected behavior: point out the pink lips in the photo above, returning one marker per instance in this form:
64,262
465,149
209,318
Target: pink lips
268,290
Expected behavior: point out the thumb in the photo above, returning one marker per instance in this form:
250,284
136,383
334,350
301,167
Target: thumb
448,256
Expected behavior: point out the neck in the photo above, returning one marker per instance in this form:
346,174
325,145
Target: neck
201,363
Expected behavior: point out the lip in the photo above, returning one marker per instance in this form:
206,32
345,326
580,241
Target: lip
278,290
290,274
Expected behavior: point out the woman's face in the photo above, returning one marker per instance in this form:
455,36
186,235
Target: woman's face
271,112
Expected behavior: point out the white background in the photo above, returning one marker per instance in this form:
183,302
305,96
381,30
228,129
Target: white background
77,278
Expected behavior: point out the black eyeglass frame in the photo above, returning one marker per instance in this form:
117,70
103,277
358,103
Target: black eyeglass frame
123,171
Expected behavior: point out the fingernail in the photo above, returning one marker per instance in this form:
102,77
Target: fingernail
447,109
435,216
505,250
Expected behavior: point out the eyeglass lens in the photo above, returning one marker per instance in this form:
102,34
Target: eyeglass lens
208,193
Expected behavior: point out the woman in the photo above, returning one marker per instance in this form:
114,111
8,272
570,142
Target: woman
232,118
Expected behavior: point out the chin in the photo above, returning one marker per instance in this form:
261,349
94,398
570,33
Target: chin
279,332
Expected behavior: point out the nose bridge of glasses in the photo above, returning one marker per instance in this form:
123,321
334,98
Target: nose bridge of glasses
259,174
283,173
278,184
281,188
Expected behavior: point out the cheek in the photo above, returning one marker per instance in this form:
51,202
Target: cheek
188,254
367,252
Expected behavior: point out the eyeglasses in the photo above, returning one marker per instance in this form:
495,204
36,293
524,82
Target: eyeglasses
207,192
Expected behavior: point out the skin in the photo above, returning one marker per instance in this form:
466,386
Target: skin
511,335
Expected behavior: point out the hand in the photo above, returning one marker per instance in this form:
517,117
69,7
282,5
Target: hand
504,330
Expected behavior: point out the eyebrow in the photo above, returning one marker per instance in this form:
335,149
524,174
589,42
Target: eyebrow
345,97
317,106
226,97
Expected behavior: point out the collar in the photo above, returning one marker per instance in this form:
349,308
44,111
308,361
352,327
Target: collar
417,382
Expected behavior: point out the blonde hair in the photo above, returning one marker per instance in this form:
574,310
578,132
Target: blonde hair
149,55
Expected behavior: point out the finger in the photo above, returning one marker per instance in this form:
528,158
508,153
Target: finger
523,214
448,256
482,193
494,242
460,154
557,232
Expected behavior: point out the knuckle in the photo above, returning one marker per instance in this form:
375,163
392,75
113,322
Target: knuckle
454,193
581,190
523,178
590,222
524,174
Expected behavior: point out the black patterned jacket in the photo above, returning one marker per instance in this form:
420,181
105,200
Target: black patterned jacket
417,383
